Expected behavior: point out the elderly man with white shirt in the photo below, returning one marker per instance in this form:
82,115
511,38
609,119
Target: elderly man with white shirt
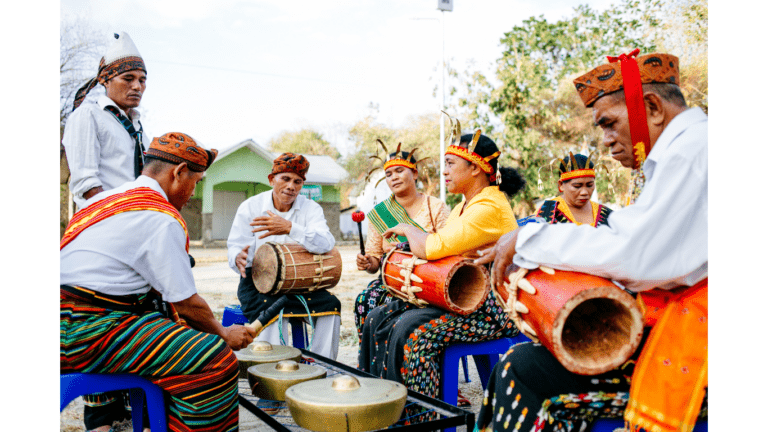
282,215
656,248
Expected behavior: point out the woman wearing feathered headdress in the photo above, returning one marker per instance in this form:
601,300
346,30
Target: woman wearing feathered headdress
576,185
405,205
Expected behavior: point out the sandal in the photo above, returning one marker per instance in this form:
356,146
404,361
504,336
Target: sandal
268,406
461,401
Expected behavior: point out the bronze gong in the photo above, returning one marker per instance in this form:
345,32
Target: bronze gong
271,380
346,403
261,352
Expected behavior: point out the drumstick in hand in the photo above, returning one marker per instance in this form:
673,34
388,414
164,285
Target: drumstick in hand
267,315
359,217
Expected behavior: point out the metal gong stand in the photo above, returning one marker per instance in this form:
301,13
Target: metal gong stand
417,406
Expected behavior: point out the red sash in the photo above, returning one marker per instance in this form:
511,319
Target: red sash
670,378
141,198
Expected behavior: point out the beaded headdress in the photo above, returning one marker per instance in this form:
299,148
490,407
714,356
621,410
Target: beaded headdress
572,168
468,153
395,159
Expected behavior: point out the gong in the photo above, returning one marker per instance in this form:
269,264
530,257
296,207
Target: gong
271,380
264,352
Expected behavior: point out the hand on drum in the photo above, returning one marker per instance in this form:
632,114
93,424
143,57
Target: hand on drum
272,224
367,263
241,260
501,255
238,337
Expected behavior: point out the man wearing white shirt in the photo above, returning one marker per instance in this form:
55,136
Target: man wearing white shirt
656,247
282,215
103,138
129,303
104,142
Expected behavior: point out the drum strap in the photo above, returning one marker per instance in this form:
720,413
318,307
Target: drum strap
309,316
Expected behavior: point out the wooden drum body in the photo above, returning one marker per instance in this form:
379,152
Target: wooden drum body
291,269
587,322
452,283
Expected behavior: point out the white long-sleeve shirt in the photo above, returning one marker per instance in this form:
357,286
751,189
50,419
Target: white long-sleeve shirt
109,257
308,227
661,240
99,150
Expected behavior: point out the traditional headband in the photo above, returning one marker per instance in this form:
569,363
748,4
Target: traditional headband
572,169
630,73
468,154
395,160
176,148
290,162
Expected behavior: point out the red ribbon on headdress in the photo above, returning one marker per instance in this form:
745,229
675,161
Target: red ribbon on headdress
633,94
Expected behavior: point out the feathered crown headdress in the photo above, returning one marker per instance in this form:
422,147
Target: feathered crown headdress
572,167
468,153
395,159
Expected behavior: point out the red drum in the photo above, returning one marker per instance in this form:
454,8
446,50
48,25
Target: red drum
452,283
587,322
291,269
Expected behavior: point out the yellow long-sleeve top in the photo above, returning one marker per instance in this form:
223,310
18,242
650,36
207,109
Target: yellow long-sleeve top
478,225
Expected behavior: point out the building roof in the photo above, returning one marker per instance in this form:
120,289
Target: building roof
323,170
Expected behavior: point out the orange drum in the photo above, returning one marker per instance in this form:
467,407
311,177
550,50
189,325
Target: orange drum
291,269
452,283
587,322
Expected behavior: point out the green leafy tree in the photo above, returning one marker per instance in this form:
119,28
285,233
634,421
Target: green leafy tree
307,141
534,112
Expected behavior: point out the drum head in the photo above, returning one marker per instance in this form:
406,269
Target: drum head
266,264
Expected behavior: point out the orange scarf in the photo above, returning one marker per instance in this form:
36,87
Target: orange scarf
142,198
670,378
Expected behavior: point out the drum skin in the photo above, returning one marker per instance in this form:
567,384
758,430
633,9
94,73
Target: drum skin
452,283
588,323
291,269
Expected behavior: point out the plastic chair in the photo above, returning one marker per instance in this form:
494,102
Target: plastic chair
78,384
234,315
486,355
609,425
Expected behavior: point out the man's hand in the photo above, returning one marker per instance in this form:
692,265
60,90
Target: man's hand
272,224
501,255
237,336
92,191
241,260
367,263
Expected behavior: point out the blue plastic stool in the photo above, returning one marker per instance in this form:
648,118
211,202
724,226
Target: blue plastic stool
486,355
609,425
78,384
234,315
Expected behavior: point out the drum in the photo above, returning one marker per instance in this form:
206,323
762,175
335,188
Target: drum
291,269
452,283
588,323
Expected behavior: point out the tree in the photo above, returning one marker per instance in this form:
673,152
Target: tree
535,112
307,141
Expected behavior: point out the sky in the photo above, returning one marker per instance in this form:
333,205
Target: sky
231,70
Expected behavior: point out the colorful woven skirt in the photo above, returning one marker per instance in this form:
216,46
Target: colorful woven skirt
196,370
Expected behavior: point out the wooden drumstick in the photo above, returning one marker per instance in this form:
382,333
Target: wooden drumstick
359,217
267,315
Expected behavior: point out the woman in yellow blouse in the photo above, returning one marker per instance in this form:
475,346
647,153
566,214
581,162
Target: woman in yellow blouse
406,205
404,343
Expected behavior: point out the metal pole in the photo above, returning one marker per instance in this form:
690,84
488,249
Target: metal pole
442,122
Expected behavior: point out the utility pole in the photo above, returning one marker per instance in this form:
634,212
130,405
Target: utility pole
443,5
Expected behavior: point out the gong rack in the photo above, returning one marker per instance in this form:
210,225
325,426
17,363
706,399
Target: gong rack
417,404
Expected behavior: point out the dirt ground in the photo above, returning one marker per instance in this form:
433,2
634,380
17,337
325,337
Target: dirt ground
217,284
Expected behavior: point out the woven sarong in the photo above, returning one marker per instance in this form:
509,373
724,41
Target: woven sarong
197,370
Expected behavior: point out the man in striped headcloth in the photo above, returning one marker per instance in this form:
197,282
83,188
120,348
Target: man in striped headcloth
103,137
129,303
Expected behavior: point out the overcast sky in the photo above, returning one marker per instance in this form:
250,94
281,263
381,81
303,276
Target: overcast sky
231,70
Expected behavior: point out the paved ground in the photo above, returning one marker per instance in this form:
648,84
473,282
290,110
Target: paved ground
217,284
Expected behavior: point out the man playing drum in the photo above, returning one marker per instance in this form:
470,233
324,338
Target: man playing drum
282,215
128,302
656,247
